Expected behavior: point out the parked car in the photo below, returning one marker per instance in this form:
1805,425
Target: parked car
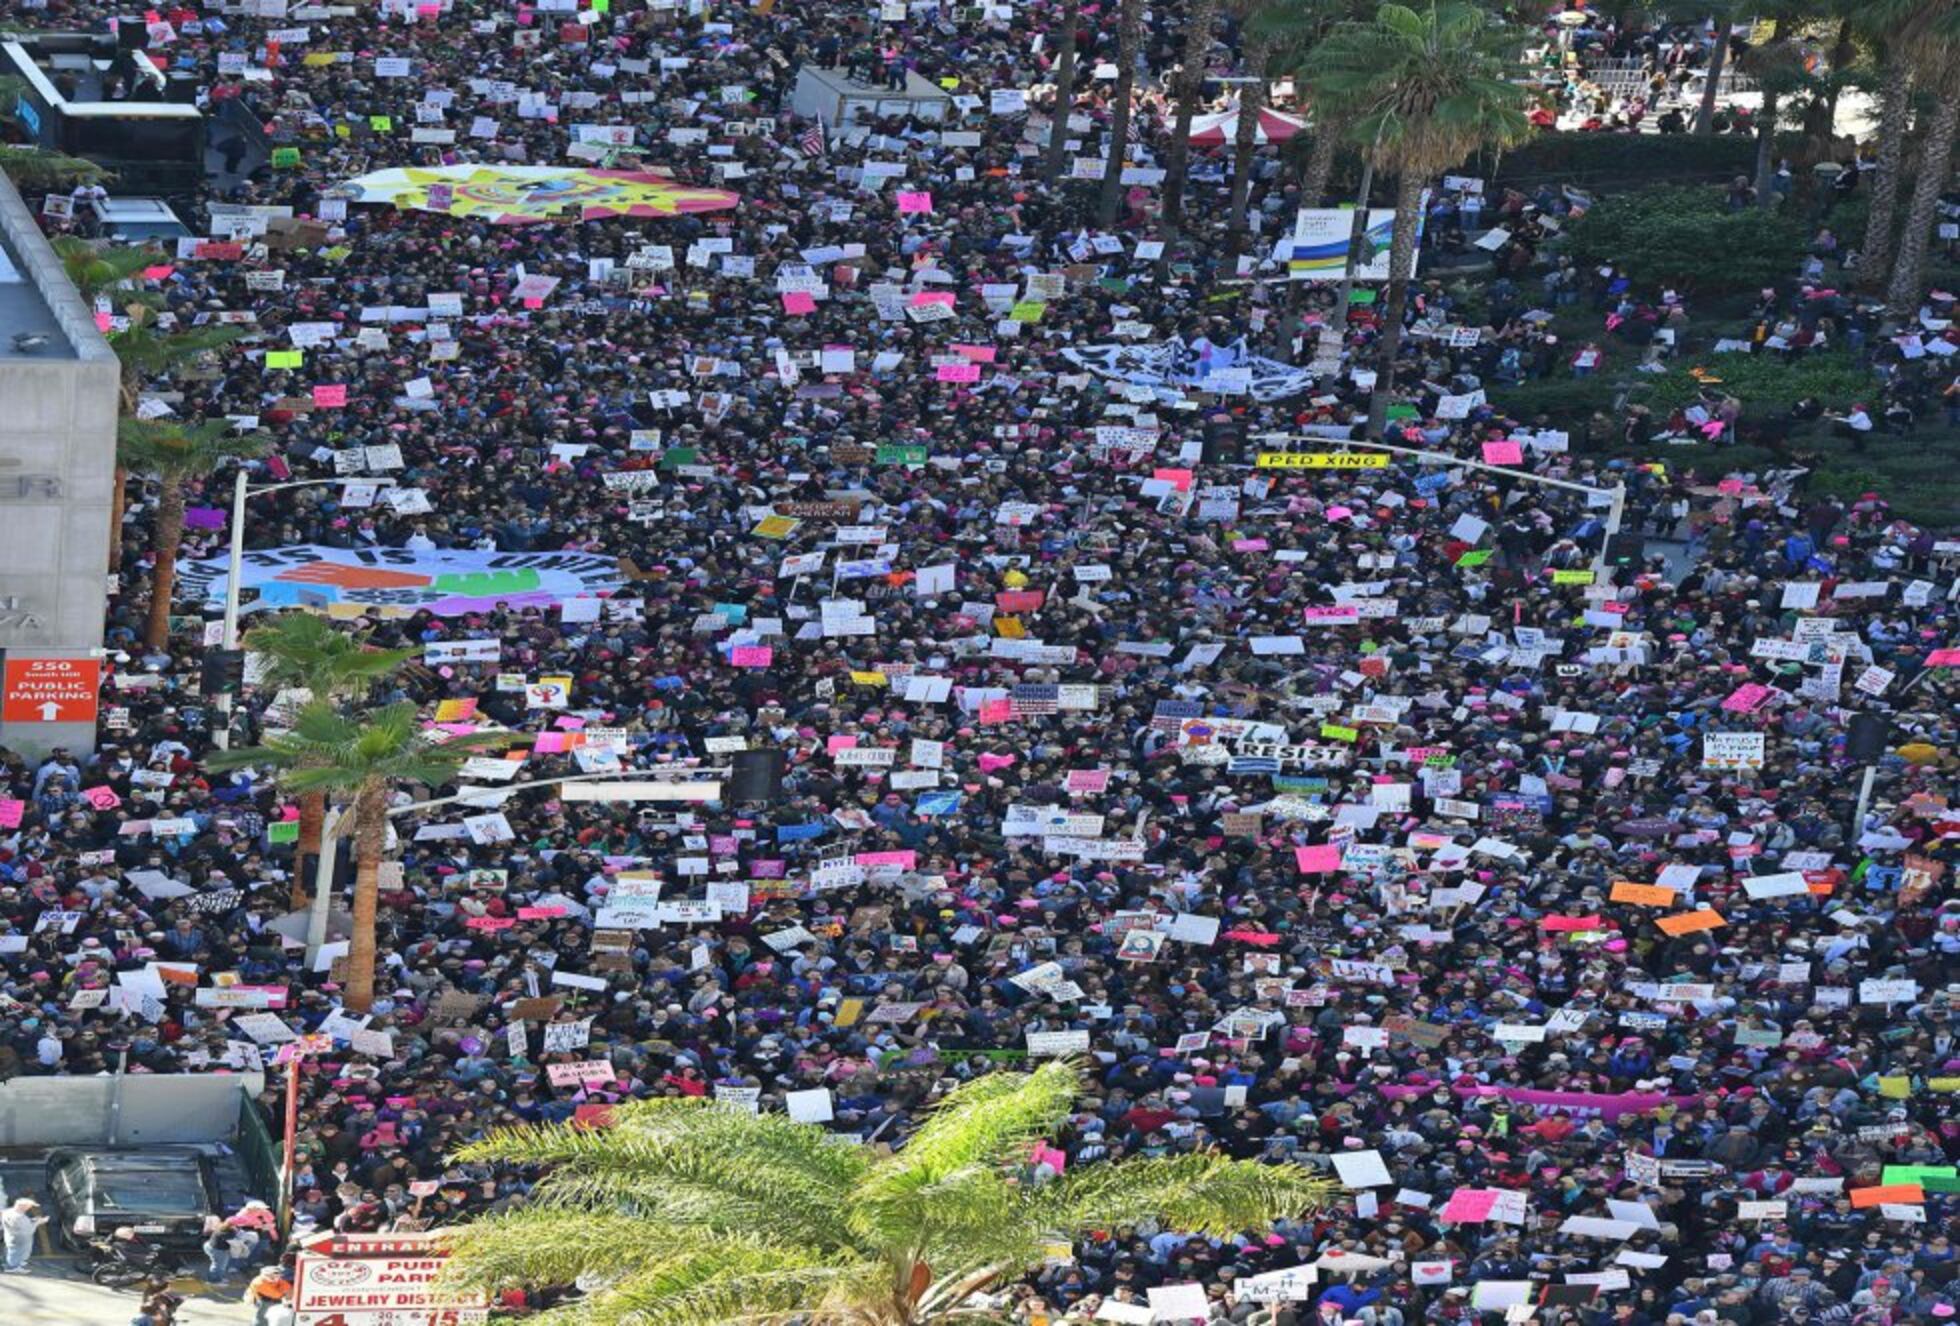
164,1194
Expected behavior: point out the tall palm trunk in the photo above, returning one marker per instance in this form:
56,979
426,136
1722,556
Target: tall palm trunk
1064,92
1766,150
1935,164
1408,212
163,580
1875,255
1717,58
1843,51
119,498
1251,103
370,839
1320,161
1190,81
1129,34
118,503
312,819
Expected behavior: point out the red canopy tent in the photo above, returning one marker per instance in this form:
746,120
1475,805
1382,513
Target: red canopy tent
1222,127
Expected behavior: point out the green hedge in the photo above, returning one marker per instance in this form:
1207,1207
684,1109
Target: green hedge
1687,238
1764,384
1579,158
1566,399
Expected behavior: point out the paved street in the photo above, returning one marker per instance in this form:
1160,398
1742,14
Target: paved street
50,1297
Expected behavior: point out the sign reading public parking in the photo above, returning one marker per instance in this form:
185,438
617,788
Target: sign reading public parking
377,1280
51,690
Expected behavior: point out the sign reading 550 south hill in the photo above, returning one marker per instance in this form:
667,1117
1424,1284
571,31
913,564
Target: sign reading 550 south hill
51,690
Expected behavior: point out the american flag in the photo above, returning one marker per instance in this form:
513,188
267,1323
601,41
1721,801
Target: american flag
811,144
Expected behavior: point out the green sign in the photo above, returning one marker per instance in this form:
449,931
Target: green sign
901,455
282,831
285,157
677,456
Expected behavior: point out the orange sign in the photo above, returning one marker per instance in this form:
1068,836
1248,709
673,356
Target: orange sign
1646,895
51,690
1687,923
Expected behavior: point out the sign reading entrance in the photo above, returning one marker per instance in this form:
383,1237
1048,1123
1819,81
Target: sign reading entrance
377,1280
51,690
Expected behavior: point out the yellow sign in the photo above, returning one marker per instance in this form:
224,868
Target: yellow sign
1572,577
1322,460
775,527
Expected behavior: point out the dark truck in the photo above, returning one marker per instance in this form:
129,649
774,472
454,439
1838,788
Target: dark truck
164,1194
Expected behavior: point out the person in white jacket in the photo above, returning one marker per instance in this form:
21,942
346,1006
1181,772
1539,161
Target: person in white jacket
18,1223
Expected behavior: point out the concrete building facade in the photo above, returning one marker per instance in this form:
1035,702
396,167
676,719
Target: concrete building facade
58,405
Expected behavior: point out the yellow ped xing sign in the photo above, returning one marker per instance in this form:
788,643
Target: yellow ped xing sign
1323,460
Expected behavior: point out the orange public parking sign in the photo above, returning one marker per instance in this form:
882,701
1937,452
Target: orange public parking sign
51,690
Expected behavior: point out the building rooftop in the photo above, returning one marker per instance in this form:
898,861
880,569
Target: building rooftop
41,316
25,314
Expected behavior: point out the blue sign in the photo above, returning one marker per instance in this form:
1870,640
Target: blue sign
24,112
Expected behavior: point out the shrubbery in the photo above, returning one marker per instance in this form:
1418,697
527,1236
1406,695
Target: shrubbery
1766,385
1687,239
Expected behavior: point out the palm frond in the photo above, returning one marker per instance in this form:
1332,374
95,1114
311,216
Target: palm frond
176,450
1202,1193
305,651
993,1119
708,1164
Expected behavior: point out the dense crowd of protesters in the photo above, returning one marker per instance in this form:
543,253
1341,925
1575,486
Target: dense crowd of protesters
1312,796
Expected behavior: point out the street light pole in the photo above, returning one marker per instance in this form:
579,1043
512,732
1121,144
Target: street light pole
241,489
321,910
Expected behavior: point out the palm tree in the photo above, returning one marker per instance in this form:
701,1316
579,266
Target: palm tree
1129,35
1190,81
1295,28
144,349
174,453
1065,63
361,758
1721,13
302,651
36,170
1932,39
1894,105
1422,90
1245,141
688,1212
1778,67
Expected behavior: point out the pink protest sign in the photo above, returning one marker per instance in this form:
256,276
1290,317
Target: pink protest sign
330,396
839,742
102,798
1569,924
491,924
1469,1206
799,302
903,860
1178,479
1503,453
10,812
751,656
979,354
1746,698
914,202
1318,860
959,373
997,711
1087,780
540,913
925,297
